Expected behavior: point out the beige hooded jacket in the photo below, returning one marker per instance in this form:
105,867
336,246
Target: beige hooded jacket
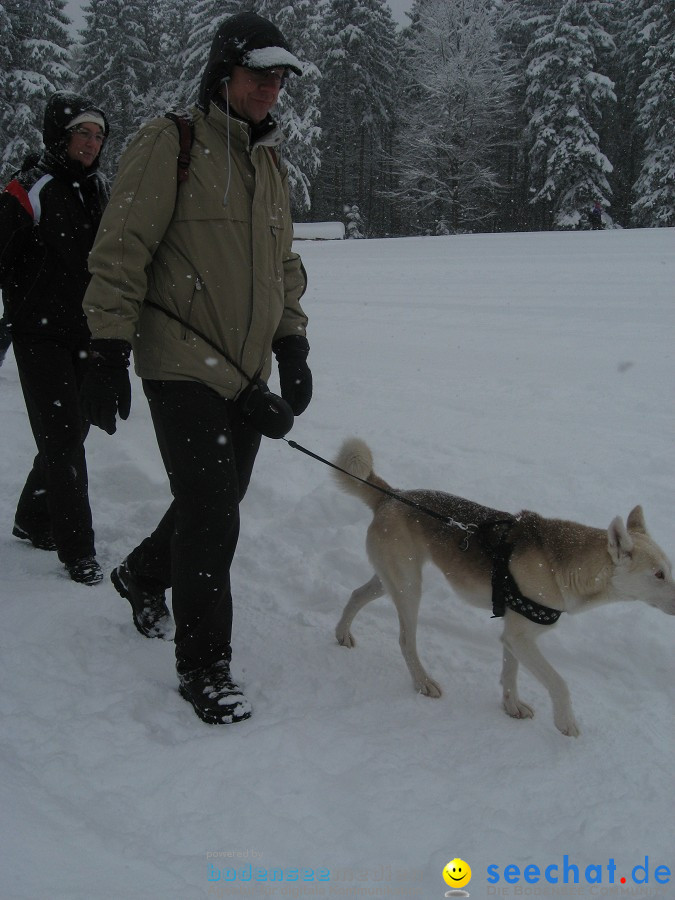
216,253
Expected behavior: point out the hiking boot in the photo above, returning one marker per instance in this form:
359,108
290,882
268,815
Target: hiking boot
149,610
43,540
216,699
85,571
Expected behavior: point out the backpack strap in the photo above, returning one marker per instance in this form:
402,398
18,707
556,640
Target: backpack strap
186,136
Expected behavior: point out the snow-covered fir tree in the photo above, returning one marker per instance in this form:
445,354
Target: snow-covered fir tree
456,95
618,136
298,112
354,229
9,40
167,35
360,68
205,18
34,59
654,188
115,68
566,99
516,27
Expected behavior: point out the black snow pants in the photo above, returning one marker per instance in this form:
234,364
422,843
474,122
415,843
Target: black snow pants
55,498
208,452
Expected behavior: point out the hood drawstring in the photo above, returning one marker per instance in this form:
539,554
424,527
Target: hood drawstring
229,155
228,115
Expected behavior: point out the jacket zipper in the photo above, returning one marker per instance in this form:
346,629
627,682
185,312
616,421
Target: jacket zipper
196,289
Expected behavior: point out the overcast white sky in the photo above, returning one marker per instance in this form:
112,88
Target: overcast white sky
74,11
399,9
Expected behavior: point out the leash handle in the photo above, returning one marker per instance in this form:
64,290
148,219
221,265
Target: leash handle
447,520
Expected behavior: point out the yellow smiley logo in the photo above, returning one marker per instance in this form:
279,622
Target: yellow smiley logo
457,873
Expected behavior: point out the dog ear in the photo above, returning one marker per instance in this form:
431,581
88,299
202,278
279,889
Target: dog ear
619,542
636,520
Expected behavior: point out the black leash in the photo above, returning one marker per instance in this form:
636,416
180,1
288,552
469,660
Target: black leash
203,337
446,520
493,538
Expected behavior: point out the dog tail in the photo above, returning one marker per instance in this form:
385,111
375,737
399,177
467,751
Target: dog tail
357,460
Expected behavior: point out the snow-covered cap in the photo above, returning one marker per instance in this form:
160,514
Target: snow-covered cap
271,58
249,40
89,115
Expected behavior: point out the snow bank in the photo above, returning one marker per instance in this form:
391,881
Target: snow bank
527,371
318,231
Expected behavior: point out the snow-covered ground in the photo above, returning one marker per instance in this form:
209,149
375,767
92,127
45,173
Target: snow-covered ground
525,371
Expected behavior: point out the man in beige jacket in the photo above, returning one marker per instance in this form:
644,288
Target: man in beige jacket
200,279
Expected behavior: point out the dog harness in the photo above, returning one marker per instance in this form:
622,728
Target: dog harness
493,536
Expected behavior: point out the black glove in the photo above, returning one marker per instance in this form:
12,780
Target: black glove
106,389
295,377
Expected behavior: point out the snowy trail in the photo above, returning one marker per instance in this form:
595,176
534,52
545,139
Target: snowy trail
524,371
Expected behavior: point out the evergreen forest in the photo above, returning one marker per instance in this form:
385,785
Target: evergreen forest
477,116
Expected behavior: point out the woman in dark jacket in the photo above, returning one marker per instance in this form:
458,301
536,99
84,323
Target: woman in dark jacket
49,214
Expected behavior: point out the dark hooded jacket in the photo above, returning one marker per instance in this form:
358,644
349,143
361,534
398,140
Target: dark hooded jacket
234,40
49,214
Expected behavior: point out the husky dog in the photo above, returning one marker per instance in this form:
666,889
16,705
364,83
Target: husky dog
561,566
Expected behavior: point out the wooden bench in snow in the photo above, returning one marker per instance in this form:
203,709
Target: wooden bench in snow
318,231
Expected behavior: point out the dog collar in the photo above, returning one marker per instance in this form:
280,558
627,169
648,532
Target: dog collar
493,536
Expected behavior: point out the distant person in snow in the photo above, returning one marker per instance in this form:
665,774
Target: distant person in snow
595,216
49,213
201,280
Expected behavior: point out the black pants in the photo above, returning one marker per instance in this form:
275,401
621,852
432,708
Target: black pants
55,497
5,338
208,453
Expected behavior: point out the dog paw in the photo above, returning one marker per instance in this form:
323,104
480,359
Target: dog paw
429,688
569,728
517,709
345,639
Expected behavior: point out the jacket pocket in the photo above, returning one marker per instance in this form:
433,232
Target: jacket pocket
187,313
277,261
